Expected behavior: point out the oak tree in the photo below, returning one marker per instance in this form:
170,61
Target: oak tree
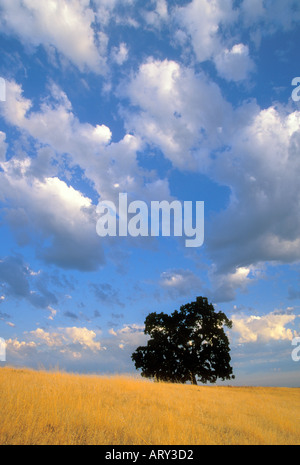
187,345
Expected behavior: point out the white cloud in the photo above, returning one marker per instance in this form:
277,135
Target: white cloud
162,8
234,64
62,338
182,113
262,221
186,117
3,146
159,14
67,224
224,285
202,20
209,24
15,345
180,282
130,335
77,341
66,25
50,339
30,183
84,337
63,346
77,348
179,111
120,54
17,106
52,311
104,163
269,327
105,9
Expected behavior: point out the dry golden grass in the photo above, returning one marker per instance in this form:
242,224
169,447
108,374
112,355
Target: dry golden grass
62,409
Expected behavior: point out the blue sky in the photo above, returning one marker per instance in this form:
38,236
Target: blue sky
162,100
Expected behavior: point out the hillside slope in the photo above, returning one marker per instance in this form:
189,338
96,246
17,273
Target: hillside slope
38,407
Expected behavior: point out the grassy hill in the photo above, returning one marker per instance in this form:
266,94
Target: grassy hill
39,407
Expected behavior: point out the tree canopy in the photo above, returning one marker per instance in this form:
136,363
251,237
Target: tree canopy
187,345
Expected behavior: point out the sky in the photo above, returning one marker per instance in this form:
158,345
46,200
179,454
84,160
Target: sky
162,100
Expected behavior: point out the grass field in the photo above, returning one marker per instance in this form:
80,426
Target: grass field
55,408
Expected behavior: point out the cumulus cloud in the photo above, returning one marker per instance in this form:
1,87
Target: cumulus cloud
67,225
181,112
211,27
176,110
186,117
50,339
269,327
66,347
29,183
262,220
201,19
61,338
225,285
62,24
129,336
81,34
179,282
15,345
110,167
120,54
3,146
159,14
84,337
234,64
77,348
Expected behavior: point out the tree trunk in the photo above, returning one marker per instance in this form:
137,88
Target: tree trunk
193,379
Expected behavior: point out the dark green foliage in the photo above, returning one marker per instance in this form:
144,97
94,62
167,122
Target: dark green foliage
186,345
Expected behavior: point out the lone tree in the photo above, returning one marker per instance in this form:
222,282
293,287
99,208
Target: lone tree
186,345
